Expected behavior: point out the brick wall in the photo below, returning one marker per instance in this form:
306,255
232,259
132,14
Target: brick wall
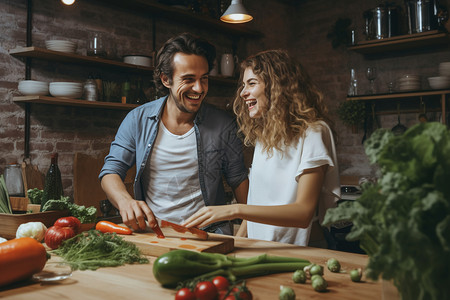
298,26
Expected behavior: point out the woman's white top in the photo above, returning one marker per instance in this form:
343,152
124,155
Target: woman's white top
273,181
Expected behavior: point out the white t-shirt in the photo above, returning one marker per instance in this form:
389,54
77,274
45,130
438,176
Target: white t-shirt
273,181
170,177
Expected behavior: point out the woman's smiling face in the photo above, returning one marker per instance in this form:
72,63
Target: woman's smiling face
253,94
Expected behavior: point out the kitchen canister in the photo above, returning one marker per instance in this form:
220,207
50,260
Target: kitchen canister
14,180
227,65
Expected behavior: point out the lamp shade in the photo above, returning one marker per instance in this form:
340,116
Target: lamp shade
236,13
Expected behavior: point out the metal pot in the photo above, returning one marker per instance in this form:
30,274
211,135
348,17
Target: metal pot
422,15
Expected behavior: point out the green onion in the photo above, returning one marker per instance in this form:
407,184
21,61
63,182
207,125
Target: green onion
5,205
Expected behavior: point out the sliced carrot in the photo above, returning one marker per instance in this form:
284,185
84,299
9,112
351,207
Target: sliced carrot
200,233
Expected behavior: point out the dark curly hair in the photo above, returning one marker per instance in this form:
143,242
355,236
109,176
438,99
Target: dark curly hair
185,43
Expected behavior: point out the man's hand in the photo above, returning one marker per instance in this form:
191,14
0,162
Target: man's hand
135,212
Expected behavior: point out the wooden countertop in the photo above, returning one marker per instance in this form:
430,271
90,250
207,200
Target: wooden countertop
137,281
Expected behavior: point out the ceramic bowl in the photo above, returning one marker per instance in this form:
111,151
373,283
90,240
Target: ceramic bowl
61,45
444,69
140,60
439,82
71,90
33,88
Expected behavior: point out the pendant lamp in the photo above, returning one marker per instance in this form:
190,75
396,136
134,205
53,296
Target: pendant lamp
236,13
68,2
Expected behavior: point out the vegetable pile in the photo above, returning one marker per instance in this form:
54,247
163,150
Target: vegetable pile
403,220
82,213
178,266
92,249
35,195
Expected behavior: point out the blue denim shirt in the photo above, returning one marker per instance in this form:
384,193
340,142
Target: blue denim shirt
219,149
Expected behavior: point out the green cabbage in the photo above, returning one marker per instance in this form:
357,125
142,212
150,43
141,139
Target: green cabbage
403,220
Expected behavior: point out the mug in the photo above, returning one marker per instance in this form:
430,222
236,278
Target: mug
227,65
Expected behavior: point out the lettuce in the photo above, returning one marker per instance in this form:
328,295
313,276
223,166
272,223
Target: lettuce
403,220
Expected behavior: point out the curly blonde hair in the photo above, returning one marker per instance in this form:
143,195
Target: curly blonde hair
295,102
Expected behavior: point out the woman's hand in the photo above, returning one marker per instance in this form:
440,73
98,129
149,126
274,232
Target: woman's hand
211,214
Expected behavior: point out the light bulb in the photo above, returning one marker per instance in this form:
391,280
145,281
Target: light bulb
68,2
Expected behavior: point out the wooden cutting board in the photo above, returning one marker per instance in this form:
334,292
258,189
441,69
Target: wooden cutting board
149,244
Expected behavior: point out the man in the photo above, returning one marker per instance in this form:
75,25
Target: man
181,146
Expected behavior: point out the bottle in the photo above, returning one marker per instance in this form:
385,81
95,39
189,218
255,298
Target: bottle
139,96
90,89
126,88
53,189
353,87
99,82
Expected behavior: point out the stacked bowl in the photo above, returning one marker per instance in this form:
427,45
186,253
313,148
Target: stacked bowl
33,88
409,83
439,82
442,81
61,45
71,90
140,60
444,69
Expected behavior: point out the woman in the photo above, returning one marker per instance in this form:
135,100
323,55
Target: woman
294,176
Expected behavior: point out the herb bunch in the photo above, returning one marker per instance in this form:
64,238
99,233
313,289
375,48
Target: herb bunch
403,220
92,250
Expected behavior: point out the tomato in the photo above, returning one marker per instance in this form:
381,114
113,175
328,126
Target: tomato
55,235
205,290
185,294
240,292
221,283
72,222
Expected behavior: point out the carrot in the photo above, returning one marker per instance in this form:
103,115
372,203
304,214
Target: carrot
106,226
20,259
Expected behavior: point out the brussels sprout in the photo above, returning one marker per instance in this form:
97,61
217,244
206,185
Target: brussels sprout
299,276
286,293
316,269
333,265
319,284
315,276
356,274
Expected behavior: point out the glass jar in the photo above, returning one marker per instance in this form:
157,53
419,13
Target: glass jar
14,180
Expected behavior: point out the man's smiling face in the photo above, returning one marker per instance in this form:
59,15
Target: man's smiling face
190,82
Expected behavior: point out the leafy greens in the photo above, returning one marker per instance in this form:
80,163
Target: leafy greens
92,250
403,220
84,214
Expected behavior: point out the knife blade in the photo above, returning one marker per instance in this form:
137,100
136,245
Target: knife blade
203,235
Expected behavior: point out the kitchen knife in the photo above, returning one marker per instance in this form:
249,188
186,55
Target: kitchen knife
200,234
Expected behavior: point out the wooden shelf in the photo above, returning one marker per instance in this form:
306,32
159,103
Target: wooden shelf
73,102
185,16
435,101
49,55
413,94
403,42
